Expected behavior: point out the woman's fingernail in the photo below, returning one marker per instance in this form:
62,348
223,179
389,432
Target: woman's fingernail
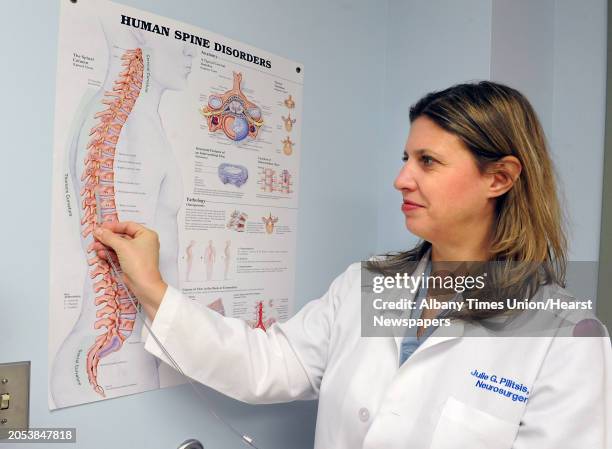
98,231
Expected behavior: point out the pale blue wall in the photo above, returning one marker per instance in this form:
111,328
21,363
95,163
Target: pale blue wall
522,51
430,46
341,45
578,117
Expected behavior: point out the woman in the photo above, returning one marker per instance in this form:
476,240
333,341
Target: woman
477,185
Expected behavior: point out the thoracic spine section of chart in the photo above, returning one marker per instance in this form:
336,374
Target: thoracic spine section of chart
117,313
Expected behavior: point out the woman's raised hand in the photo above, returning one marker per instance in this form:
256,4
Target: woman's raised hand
137,250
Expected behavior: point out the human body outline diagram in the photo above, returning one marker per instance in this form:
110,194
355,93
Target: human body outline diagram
189,257
119,141
227,257
210,257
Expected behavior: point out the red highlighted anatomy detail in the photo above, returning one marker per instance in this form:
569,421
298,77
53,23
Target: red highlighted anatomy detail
116,314
260,322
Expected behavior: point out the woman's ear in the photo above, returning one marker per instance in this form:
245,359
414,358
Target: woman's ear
503,174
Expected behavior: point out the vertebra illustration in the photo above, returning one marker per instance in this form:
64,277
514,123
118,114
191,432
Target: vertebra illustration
237,221
289,102
233,113
287,146
269,221
289,122
117,313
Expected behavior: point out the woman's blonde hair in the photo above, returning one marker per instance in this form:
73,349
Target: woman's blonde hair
493,121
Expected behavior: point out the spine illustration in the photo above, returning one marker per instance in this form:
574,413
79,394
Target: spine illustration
116,312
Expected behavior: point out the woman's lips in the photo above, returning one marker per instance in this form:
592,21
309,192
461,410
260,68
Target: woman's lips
408,206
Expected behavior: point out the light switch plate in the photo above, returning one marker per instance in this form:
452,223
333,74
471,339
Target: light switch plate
15,380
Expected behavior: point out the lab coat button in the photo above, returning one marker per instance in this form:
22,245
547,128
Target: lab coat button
364,414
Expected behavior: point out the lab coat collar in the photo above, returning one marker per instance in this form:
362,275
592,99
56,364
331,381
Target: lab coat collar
440,335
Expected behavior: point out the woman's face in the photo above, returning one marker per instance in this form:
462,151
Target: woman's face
441,176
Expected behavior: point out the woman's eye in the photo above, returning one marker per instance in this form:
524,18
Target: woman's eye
427,160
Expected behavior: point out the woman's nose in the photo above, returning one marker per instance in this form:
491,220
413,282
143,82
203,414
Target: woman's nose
405,178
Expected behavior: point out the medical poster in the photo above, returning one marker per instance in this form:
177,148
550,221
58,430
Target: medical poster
191,134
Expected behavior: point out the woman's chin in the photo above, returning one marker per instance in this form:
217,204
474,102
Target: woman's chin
413,227
419,229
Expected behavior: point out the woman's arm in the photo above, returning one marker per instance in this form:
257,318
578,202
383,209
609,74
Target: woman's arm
571,403
283,364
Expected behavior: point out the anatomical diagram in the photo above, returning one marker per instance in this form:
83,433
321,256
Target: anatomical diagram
217,306
262,320
122,168
289,102
287,146
233,113
289,122
189,256
285,183
233,174
237,221
227,257
270,182
269,223
210,256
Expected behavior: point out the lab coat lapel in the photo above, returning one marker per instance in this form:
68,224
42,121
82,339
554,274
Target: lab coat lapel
440,335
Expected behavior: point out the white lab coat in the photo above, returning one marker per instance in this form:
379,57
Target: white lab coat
366,401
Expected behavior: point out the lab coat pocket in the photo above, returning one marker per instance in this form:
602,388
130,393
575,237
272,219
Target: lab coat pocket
463,426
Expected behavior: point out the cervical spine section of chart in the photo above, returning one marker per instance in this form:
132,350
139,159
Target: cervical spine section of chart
117,314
